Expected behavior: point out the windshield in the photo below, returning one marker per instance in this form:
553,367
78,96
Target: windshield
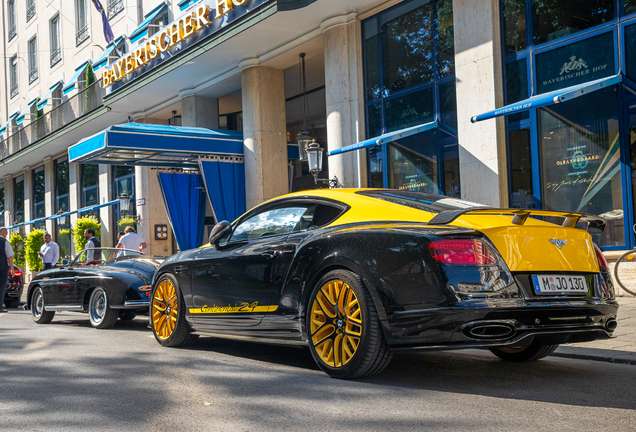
102,256
419,200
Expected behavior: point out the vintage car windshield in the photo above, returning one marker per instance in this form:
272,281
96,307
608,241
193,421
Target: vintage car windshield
102,256
419,200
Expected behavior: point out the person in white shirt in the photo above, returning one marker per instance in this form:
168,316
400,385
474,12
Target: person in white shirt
131,240
49,252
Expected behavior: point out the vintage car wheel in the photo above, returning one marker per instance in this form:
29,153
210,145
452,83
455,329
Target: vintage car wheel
40,316
99,311
168,314
345,338
534,351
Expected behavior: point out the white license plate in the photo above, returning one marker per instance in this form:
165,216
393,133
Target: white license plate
559,284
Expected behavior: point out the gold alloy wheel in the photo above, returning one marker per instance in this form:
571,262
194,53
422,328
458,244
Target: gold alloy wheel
165,308
336,323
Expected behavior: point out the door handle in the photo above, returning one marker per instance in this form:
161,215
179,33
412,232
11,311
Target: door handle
271,253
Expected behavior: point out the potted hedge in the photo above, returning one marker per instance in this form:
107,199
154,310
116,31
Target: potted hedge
82,225
17,243
32,245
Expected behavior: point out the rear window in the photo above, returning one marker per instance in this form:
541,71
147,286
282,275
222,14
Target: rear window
419,200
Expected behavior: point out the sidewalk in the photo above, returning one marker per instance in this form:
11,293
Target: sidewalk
621,349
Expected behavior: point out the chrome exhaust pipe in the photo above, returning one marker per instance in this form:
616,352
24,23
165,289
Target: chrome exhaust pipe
489,330
611,325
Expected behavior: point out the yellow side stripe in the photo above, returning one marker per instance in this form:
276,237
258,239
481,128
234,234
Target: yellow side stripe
238,308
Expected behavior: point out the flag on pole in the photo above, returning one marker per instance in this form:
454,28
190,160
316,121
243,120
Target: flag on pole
108,32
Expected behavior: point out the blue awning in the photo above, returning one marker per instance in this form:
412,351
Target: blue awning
387,137
4,126
142,30
45,100
70,85
23,114
36,221
103,59
553,97
155,145
184,4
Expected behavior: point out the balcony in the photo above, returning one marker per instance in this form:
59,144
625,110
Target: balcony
114,7
33,75
59,116
13,32
31,12
13,92
81,35
56,56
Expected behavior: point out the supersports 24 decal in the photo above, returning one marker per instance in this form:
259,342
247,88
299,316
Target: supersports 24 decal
237,308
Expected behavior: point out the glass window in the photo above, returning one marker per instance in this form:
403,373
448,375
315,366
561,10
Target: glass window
18,199
630,51
576,63
61,185
413,163
13,75
445,38
80,11
520,169
371,59
90,185
409,110
272,222
376,167
2,205
451,171
514,21
39,210
407,57
33,59
448,104
517,86
552,19
629,6
11,17
580,160
56,48
374,120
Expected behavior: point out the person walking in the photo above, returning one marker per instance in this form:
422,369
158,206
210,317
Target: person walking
6,265
49,252
131,240
91,243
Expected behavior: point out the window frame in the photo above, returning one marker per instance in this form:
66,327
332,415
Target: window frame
32,50
55,40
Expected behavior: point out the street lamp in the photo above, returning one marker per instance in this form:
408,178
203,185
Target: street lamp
124,203
314,160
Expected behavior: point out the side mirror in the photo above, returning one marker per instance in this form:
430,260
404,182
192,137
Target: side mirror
65,262
219,231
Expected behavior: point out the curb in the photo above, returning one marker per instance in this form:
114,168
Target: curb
615,360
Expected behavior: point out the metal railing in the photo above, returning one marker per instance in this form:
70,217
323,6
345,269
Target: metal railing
15,89
24,135
56,56
81,35
13,32
31,11
33,75
114,7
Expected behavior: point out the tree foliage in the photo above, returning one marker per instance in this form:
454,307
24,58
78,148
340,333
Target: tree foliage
17,243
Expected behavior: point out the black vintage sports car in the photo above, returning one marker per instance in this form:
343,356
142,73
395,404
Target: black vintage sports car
15,284
356,274
108,283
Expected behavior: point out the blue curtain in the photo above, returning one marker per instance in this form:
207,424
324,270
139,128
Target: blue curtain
184,197
225,183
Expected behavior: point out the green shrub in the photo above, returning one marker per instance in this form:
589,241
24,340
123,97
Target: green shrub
127,221
78,232
64,238
17,243
90,79
32,245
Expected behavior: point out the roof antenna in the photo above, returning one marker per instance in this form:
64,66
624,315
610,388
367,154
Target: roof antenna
129,120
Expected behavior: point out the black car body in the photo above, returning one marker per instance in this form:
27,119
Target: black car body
107,283
15,286
288,282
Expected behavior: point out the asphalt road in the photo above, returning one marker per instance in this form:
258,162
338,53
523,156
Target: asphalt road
67,376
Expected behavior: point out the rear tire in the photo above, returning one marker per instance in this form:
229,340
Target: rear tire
532,352
625,272
38,312
99,311
345,337
167,314
12,304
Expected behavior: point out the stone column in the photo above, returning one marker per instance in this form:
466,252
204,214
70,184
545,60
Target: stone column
105,213
479,77
9,217
49,193
152,212
198,111
74,183
264,134
344,98
28,198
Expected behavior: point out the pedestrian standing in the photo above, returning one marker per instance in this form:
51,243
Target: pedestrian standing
6,264
49,252
131,240
91,243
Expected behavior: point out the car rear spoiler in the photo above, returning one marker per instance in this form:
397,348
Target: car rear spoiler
595,224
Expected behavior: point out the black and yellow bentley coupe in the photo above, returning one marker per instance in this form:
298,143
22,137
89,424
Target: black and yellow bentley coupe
106,283
357,274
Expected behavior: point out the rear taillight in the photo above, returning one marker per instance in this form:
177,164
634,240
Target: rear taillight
602,262
461,252
17,273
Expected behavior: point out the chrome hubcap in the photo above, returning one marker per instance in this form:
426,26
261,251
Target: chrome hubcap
39,305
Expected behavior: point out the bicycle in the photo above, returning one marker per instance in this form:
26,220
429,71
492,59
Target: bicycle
626,278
